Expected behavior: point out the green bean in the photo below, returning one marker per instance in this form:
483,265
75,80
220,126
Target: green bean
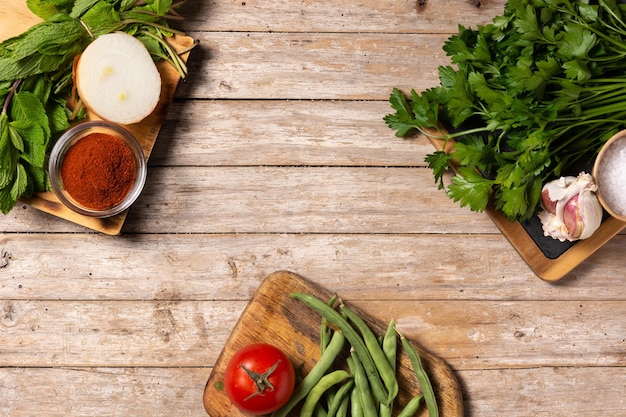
360,381
390,349
327,381
339,396
313,377
422,377
355,340
319,411
325,332
384,368
356,406
390,344
342,411
411,407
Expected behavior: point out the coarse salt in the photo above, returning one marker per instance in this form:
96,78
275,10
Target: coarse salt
611,177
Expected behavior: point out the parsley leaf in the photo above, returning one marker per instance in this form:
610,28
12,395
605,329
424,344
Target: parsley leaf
527,97
470,188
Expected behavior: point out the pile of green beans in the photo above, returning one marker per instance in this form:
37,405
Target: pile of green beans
367,386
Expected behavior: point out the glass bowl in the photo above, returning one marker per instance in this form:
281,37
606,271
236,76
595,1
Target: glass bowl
106,177
608,173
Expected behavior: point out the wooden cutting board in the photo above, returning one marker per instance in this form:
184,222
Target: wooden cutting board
547,269
272,316
15,18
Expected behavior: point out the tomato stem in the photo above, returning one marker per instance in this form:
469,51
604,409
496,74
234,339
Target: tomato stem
261,380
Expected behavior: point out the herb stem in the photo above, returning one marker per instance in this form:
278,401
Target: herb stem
128,22
175,59
9,97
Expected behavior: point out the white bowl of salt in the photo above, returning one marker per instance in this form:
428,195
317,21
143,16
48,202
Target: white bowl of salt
609,173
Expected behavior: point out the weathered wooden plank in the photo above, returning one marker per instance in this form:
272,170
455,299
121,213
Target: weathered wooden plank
303,66
407,16
546,391
206,267
176,392
466,334
88,392
288,200
268,132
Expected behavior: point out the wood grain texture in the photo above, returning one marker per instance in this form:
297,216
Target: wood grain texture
274,317
260,179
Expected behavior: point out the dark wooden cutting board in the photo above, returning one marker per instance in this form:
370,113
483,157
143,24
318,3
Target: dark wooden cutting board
272,316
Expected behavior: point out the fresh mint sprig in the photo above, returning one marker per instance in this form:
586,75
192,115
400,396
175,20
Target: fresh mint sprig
36,78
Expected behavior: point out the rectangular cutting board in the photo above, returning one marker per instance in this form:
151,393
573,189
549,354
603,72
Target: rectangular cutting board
272,316
15,18
548,269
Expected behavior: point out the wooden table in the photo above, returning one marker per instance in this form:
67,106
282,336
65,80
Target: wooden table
274,156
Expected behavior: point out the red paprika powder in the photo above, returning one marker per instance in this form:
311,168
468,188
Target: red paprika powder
98,171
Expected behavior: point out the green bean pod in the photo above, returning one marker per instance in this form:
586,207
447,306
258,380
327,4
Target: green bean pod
422,377
339,396
325,331
342,411
356,405
313,377
390,345
361,382
411,407
319,411
355,340
390,349
385,370
314,396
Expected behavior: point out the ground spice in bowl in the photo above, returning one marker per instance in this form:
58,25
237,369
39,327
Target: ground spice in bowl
98,171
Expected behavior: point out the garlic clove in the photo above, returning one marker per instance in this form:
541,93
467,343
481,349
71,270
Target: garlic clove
571,209
590,214
572,219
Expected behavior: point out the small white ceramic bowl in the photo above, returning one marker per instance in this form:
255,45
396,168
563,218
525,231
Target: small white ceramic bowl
69,139
608,173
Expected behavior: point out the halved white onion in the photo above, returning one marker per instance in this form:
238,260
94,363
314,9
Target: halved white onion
117,79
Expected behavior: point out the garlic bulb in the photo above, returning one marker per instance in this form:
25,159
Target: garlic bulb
571,209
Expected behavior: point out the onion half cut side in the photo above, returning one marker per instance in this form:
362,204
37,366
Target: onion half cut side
117,78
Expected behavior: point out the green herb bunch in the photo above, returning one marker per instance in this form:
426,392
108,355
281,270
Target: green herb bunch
531,96
36,78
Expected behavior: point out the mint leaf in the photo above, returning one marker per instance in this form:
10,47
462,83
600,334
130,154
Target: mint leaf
49,8
101,18
38,180
27,107
33,141
82,6
160,7
20,184
58,116
16,138
8,155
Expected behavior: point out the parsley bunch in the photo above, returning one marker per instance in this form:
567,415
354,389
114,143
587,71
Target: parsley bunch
531,95
36,78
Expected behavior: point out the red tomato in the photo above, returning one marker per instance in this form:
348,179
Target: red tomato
259,379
